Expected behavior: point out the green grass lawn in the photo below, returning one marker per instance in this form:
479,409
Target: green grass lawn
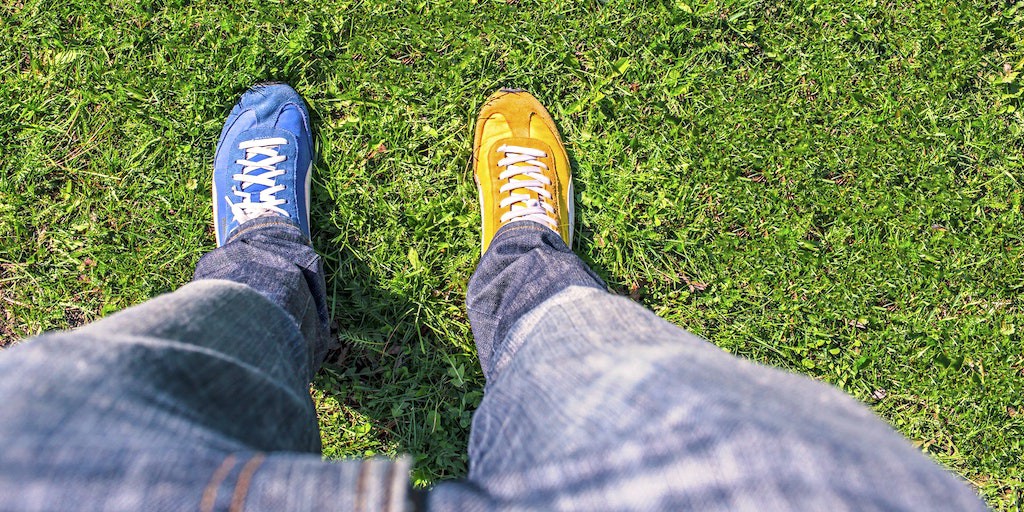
829,187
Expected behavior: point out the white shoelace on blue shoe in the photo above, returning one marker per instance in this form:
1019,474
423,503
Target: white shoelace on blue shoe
265,203
525,177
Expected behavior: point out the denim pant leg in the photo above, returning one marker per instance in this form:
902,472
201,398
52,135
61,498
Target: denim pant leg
594,403
271,256
194,400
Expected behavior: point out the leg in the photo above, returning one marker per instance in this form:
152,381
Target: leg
497,297
275,259
197,399
172,404
152,399
593,402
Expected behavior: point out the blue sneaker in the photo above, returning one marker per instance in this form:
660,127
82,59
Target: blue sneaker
264,160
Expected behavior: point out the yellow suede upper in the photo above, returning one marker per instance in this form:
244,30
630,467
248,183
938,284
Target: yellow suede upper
516,118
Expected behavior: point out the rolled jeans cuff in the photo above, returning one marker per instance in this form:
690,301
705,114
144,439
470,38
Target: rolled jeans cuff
526,264
273,257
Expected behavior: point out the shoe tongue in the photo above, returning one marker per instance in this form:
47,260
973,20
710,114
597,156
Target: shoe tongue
534,196
528,143
522,205
254,189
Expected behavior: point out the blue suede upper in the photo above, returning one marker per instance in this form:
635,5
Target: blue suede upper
264,111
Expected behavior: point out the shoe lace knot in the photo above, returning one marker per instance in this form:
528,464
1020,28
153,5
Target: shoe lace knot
527,194
256,184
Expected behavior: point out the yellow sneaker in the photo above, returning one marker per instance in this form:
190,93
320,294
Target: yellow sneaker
520,166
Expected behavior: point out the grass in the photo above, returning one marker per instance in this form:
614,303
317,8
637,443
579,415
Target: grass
828,187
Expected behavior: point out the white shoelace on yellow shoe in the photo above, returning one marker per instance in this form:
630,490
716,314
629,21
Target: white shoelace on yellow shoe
249,208
524,171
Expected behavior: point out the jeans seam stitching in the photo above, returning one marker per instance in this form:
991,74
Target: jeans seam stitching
209,498
243,482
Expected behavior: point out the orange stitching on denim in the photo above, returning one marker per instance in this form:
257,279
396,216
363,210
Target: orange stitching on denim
244,479
210,493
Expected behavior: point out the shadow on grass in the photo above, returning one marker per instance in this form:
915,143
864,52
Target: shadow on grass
397,384
394,386
583,239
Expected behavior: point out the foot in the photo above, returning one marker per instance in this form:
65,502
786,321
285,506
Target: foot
264,160
521,167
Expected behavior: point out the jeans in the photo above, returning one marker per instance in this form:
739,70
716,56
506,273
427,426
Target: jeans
199,400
